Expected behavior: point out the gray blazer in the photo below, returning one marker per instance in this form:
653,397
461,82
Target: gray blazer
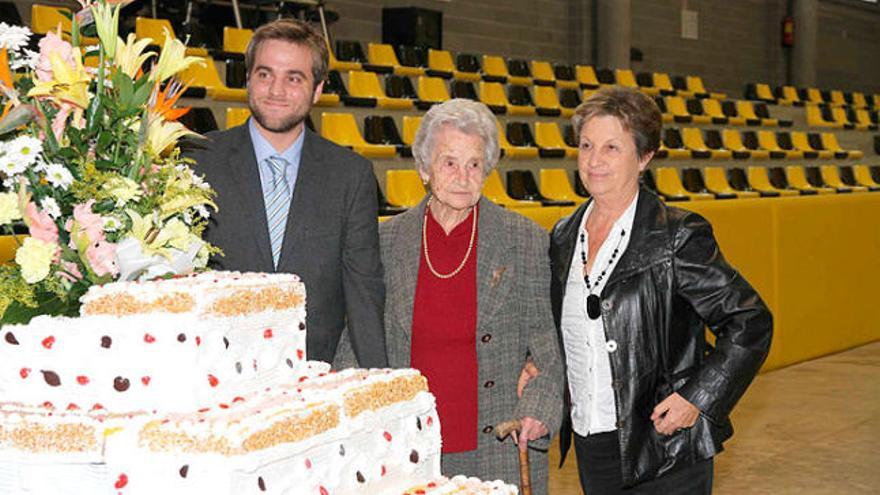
331,240
513,320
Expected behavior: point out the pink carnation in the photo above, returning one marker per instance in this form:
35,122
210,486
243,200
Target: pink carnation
51,43
69,271
41,225
102,258
89,223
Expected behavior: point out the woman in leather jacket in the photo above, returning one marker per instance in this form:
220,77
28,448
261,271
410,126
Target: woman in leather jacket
634,284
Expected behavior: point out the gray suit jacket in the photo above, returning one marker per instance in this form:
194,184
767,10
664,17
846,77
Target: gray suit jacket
331,239
513,320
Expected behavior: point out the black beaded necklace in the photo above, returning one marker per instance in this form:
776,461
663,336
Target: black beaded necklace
593,310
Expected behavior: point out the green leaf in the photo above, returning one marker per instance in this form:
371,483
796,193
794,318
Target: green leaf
93,114
48,303
125,86
142,92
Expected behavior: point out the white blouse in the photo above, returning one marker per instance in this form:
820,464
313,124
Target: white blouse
587,348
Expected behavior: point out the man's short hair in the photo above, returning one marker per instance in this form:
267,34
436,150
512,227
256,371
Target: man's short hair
296,32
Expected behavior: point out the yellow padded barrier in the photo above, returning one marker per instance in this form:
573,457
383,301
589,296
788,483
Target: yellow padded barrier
716,182
800,141
364,84
547,135
732,140
514,152
542,72
760,181
555,185
403,188
236,40
342,129
432,89
693,140
493,189
158,30
236,116
668,182
831,177
863,176
797,179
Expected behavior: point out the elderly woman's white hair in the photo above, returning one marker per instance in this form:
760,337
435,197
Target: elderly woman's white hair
469,117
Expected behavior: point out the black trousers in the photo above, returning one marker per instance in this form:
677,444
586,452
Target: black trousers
599,469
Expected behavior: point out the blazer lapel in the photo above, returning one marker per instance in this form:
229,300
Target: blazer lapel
494,280
305,193
243,162
408,242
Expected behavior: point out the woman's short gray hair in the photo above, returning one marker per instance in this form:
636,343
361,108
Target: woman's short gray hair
469,117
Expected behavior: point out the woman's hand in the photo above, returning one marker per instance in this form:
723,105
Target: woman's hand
532,429
674,413
529,371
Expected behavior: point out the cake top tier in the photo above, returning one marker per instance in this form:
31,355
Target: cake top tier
219,294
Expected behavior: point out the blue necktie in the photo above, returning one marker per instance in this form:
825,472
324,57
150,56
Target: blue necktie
277,198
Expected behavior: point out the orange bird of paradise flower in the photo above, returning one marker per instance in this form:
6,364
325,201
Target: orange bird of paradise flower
165,100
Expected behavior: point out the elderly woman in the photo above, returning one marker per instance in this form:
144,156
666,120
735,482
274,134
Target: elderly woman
634,283
468,300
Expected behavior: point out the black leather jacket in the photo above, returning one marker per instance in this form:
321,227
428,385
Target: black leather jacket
670,282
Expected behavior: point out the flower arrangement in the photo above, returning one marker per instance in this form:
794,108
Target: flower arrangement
90,164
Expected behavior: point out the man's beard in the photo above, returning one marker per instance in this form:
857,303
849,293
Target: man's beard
285,125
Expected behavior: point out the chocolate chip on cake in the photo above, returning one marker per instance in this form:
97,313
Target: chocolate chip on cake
120,384
226,342
302,325
414,457
11,338
360,477
342,450
106,342
261,484
184,470
289,362
181,338
51,378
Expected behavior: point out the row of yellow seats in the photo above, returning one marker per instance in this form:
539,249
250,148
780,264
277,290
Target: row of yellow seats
836,117
676,110
790,95
765,145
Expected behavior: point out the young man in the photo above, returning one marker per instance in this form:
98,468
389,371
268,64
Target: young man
291,201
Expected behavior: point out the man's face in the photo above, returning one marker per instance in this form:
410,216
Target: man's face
281,87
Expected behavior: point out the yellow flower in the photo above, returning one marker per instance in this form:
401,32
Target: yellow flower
123,190
9,209
129,54
35,258
175,234
69,85
172,59
162,135
107,25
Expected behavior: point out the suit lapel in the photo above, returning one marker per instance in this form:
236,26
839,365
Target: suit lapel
305,193
494,270
408,239
243,162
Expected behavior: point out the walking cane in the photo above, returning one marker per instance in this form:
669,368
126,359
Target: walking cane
502,430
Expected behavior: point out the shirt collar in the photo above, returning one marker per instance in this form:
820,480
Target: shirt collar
263,149
625,220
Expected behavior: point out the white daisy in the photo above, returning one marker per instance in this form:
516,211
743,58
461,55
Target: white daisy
11,183
27,148
111,224
50,206
13,37
26,59
11,164
58,175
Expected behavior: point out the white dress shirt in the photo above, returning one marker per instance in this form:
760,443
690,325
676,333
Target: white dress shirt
586,346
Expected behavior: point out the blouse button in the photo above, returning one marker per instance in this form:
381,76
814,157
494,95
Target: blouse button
486,338
611,346
489,384
606,305
487,429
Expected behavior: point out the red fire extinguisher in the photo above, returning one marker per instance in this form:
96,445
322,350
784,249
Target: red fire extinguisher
787,31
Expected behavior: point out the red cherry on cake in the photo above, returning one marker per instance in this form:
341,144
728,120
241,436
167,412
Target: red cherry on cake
324,491
387,436
267,333
213,381
121,481
82,380
308,464
149,338
72,407
24,372
145,380
383,470
299,354
48,342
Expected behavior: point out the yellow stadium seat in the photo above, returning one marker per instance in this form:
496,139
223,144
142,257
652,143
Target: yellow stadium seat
797,179
863,177
815,118
546,216
815,96
669,184
859,100
863,120
626,78
663,83
411,125
801,142
693,140
764,92
586,76
440,64
236,40
760,181
362,84
676,107
493,189
790,93
830,142
494,69
876,98
695,85
158,30
712,108
837,98
716,182
492,94
745,109
677,153
236,116
403,187
548,136
383,55
514,152
340,65
767,141
555,185
342,129
8,246
542,73
432,89
45,18
840,116
732,140
547,103
204,74
831,177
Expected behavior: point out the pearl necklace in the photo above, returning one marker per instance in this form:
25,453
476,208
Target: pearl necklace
593,310
425,245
